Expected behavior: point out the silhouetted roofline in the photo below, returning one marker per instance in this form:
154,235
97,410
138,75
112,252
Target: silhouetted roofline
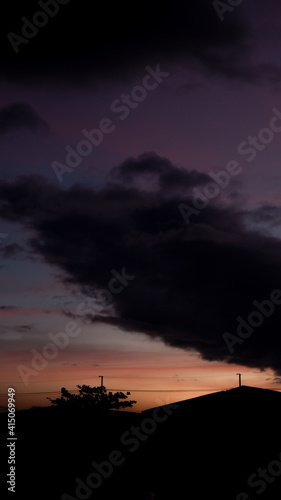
239,390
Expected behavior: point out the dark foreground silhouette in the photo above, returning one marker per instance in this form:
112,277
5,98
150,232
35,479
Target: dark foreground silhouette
224,445
92,397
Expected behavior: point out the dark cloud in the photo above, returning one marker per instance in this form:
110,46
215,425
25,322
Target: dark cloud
24,328
277,380
191,281
154,173
21,115
8,308
11,251
266,215
81,44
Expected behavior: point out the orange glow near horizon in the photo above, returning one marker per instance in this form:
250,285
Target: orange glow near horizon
150,385
153,372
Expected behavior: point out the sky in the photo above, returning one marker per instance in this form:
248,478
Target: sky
140,203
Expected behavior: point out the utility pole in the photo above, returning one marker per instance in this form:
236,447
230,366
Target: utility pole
101,377
239,379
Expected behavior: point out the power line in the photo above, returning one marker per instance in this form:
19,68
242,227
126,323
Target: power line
117,390
129,390
161,390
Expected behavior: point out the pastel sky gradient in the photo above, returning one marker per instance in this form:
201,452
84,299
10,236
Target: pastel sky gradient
161,336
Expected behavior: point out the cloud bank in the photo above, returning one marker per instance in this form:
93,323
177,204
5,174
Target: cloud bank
192,281
80,45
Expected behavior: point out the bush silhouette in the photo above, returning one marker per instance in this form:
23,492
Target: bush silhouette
92,397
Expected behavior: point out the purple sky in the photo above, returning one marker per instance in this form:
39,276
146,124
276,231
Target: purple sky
119,208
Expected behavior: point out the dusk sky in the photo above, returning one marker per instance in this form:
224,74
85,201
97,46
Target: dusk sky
140,203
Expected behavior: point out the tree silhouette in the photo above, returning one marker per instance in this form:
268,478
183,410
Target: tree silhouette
92,397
